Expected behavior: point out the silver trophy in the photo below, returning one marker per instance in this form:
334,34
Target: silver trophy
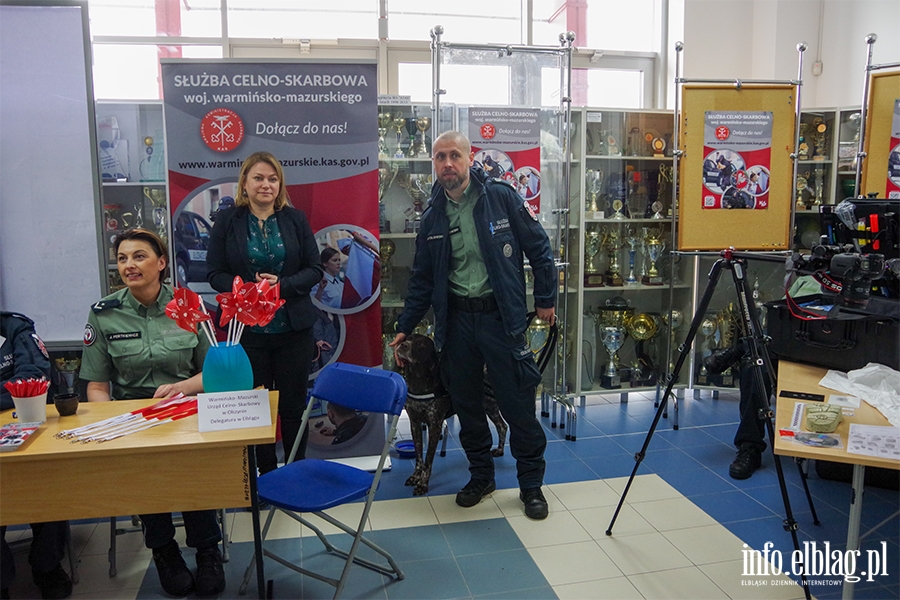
612,339
593,241
158,199
420,148
386,176
632,240
418,186
708,329
655,247
384,123
594,184
399,123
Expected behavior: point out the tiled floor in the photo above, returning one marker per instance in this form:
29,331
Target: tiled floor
680,533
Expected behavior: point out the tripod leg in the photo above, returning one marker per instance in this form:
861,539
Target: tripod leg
763,373
683,349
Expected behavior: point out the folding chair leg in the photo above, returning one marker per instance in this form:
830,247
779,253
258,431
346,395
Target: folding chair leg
223,524
446,434
70,550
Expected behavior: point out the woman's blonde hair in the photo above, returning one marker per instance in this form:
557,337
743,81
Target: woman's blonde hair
282,199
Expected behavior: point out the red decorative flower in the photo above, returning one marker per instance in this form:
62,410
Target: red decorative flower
271,301
185,309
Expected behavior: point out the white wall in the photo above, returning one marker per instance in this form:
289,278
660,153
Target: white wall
757,39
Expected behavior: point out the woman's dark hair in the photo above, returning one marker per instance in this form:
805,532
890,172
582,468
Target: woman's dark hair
327,253
144,235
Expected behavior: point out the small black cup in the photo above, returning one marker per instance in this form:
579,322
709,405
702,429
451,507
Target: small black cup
66,404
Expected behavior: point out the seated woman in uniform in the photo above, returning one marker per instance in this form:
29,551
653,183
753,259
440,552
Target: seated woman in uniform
132,350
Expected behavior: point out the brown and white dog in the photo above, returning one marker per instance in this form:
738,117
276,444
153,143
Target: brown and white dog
428,404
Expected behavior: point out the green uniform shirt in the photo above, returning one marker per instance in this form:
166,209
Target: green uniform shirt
138,348
468,275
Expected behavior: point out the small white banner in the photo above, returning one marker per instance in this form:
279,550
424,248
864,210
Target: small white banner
233,410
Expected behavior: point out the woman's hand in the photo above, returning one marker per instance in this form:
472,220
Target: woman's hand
168,390
272,279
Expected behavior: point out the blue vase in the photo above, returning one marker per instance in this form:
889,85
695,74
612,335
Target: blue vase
227,369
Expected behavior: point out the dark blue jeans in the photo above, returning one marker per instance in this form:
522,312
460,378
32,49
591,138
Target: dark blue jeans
751,429
47,546
473,341
201,528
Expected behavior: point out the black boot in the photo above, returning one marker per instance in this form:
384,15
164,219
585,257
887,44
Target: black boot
174,576
748,459
210,574
55,583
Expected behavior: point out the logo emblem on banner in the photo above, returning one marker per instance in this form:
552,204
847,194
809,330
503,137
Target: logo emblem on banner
222,130
722,133
488,131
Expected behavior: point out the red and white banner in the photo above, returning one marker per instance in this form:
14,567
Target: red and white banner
507,145
319,120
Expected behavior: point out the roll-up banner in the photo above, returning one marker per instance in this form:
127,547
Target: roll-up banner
507,145
319,120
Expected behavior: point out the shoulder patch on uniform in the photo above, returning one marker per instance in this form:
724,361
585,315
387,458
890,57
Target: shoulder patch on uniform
504,182
89,334
530,210
102,305
40,344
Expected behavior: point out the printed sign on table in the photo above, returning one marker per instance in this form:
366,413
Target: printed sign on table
233,410
893,174
507,145
737,156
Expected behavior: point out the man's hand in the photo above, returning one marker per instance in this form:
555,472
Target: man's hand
547,314
398,339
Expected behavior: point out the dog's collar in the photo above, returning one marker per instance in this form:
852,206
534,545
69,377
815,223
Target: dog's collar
421,396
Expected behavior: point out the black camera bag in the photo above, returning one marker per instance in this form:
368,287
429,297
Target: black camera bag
849,339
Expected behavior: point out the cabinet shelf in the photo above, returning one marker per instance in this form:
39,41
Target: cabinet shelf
640,287
649,220
624,157
814,162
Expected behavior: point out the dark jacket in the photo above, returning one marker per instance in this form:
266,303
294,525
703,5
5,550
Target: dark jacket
501,220
227,256
22,354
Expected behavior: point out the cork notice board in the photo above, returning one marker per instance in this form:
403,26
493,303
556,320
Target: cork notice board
766,228
884,92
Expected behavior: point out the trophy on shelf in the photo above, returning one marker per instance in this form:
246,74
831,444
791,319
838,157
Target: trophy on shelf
725,328
386,176
820,140
803,144
68,372
138,214
612,339
707,329
802,187
658,145
593,242
398,123
384,123
151,167
110,211
617,206
632,240
663,190
158,201
611,144
420,149
819,186
113,150
594,183
655,247
641,328
418,186
386,251
411,131
613,276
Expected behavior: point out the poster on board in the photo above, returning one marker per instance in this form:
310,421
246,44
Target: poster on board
318,119
893,174
507,145
737,150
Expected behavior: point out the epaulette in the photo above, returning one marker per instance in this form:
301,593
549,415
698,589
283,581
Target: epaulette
503,181
18,316
102,305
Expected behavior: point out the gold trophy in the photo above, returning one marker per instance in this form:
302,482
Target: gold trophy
642,328
537,335
158,200
386,250
802,186
820,186
659,147
613,276
707,329
399,123
384,123
423,124
820,140
726,325
594,184
386,176
593,241
802,143
655,247
632,240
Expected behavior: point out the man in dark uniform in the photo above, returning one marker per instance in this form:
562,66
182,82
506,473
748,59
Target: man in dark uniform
23,355
468,266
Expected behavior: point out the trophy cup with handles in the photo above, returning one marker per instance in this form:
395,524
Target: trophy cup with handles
707,329
384,123
655,247
423,124
642,328
612,339
399,123
593,242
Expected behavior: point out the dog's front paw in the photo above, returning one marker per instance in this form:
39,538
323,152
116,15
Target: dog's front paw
413,480
420,490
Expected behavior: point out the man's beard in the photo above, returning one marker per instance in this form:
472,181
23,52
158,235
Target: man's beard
452,182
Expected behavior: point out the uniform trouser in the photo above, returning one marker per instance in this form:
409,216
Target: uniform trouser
47,546
201,527
751,429
281,361
473,341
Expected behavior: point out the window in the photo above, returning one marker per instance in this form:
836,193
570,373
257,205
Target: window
475,21
131,72
465,84
333,19
196,18
606,24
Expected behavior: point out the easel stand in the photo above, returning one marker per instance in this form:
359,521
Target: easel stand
763,373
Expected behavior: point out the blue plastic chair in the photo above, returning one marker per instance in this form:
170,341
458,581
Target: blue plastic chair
313,486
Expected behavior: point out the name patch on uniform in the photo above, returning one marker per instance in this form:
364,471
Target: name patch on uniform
499,226
438,236
89,334
131,335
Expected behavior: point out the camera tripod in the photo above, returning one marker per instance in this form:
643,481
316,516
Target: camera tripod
763,379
